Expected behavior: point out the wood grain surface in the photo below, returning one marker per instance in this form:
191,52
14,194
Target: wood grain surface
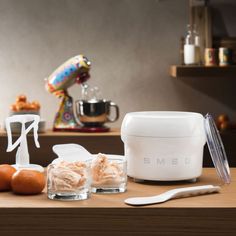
212,214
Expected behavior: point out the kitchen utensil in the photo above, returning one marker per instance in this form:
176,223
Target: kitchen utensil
22,154
168,146
16,127
174,193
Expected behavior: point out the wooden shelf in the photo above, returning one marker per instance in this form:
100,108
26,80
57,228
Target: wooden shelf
202,71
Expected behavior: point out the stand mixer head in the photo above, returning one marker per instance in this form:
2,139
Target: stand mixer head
73,71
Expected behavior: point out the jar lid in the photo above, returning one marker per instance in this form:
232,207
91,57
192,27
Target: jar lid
216,149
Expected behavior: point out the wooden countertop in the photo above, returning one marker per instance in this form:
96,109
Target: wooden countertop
225,199
212,214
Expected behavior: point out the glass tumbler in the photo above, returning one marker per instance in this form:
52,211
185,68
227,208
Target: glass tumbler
109,174
69,181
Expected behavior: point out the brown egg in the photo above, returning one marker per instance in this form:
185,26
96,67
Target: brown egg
6,173
222,118
28,182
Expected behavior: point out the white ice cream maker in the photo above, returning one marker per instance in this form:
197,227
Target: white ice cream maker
168,146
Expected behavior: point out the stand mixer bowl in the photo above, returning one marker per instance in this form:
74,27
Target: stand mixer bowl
94,113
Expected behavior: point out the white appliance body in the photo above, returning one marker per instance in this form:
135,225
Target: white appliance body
163,146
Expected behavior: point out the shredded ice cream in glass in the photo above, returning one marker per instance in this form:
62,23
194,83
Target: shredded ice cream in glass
68,180
68,176
108,173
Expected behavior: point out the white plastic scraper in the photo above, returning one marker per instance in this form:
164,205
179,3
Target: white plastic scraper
174,193
22,154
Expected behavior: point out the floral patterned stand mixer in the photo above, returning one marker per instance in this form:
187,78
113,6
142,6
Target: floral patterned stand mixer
73,71
88,114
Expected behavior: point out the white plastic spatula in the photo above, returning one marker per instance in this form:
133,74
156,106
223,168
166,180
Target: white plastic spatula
174,193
